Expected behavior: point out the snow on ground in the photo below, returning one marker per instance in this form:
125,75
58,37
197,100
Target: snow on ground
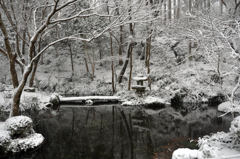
29,100
220,145
148,100
151,100
185,153
90,98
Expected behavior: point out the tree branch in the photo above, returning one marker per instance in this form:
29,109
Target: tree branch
3,52
65,5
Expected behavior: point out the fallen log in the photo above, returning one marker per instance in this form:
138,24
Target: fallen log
90,100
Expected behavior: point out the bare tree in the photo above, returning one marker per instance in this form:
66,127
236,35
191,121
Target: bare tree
38,29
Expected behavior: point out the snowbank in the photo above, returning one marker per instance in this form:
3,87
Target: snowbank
149,101
185,153
154,100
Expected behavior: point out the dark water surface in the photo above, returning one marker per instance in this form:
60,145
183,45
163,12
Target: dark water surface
114,132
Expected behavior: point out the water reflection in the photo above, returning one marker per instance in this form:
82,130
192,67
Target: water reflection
121,133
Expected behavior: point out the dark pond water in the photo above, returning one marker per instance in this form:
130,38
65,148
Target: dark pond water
114,132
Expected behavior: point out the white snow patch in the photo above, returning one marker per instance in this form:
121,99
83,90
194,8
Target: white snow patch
150,100
140,78
4,137
90,98
218,145
2,125
131,102
185,153
228,107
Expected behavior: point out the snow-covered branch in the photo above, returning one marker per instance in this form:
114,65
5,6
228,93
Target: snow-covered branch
3,51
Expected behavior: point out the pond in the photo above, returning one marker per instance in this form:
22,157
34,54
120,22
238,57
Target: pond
115,132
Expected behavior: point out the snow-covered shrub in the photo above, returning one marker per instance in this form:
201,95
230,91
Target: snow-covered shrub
210,145
19,126
17,135
185,153
129,98
29,102
235,126
2,87
23,144
4,138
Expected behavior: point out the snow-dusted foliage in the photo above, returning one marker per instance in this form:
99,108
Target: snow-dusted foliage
220,144
235,126
185,153
4,138
212,145
23,144
19,125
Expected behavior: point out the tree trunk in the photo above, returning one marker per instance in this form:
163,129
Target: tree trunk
190,6
71,59
120,50
178,9
112,64
130,72
23,41
13,72
86,64
174,9
35,65
170,9
209,4
165,12
18,92
92,62
148,55
221,6
12,57
85,58
189,52
130,48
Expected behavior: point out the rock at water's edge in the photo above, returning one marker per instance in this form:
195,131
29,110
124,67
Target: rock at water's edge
55,100
185,153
